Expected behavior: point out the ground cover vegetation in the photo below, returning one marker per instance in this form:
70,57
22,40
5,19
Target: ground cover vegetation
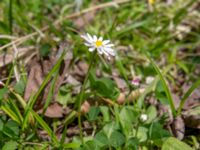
100,74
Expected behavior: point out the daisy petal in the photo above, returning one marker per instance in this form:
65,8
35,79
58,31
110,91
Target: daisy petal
90,37
106,42
100,50
100,38
109,45
91,49
87,44
86,38
95,38
110,51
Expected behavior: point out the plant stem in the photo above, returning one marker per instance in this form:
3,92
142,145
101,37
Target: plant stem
136,130
80,98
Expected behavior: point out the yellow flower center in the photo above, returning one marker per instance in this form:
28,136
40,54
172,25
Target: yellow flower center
98,43
151,2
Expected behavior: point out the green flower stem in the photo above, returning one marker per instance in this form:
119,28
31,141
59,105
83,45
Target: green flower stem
80,98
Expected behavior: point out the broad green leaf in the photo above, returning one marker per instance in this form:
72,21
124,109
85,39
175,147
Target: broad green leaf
132,144
3,91
101,139
152,113
90,145
142,133
174,144
19,87
11,129
45,50
11,145
105,112
104,86
64,95
128,114
117,139
93,113
127,117
157,134
110,128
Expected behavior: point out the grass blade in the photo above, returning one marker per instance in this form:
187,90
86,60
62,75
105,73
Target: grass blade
167,91
45,127
187,94
46,80
10,113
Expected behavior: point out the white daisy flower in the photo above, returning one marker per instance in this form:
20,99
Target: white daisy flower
143,117
102,46
149,79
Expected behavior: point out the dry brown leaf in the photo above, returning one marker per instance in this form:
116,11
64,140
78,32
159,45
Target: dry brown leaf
83,20
6,58
37,73
121,84
54,111
178,127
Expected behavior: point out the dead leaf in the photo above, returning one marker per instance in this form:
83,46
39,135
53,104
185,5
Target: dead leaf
53,111
7,58
178,127
83,20
121,84
38,71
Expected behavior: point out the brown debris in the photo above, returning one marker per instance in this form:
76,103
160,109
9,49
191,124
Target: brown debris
192,117
83,20
178,127
85,107
121,98
53,111
135,94
39,70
